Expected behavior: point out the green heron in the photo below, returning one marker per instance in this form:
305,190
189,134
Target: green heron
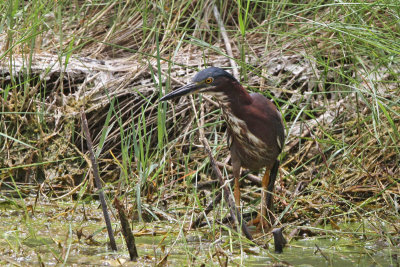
255,130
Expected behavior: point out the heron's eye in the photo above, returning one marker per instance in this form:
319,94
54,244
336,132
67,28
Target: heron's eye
209,80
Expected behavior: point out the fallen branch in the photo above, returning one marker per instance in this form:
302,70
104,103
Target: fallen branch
95,169
126,231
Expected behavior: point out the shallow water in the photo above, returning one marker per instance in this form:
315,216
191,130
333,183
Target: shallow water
49,232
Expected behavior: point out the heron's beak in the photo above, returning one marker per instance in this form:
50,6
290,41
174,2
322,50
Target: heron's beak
184,90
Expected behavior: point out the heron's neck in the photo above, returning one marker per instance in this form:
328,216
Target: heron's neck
234,97
232,102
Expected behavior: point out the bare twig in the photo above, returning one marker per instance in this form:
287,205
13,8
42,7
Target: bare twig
97,180
320,251
126,231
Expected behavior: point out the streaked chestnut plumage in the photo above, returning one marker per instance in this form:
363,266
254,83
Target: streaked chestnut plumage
255,130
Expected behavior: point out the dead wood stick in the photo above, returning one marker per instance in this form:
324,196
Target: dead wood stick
226,41
126,231
323,254
235,213
279,239
97,180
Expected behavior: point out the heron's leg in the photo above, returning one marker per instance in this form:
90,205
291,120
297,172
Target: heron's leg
236,176
266,218
265,195
260,220
264,185
268,184
271,186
